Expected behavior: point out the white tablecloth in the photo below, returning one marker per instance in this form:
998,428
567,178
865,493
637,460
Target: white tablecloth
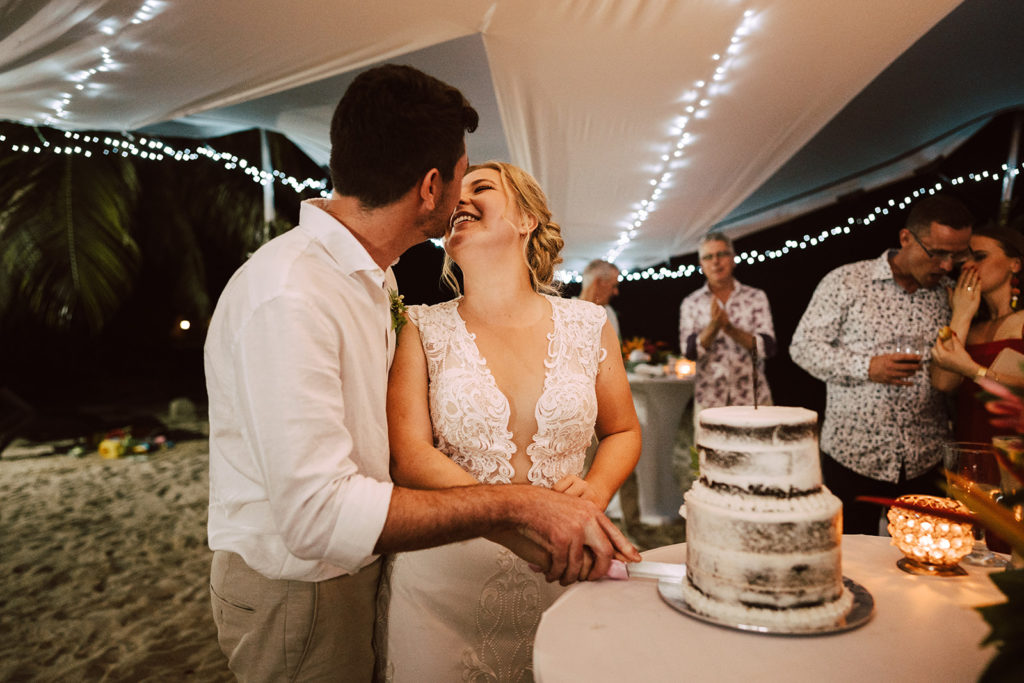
923,629
660,403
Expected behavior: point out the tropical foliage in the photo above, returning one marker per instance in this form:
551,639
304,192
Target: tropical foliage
1005,618
66,246
79,235
102,256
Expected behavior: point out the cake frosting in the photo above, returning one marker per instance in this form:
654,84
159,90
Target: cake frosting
763,534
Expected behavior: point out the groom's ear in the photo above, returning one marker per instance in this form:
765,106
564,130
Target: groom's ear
430,187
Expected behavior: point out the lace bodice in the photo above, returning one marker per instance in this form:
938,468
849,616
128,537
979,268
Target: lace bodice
470,414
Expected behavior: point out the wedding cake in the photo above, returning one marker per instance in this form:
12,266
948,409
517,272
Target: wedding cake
762,532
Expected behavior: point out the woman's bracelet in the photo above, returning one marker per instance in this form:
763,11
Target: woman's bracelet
985,372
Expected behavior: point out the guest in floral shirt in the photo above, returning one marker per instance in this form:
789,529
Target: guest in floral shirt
727,328
884,422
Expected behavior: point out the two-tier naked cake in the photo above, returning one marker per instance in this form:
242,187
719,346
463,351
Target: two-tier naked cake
762,532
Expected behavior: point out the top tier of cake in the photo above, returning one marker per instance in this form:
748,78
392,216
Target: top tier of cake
769,450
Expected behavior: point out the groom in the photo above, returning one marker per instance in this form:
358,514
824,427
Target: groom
297,358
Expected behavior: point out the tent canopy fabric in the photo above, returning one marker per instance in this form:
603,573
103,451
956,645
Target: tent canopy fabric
793,102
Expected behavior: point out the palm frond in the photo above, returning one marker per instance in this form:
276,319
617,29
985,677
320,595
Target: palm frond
194,227
65,244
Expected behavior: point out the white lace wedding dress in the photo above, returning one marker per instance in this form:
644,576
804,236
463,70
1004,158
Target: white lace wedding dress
469,611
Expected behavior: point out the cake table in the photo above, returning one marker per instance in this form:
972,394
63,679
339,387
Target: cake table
924,628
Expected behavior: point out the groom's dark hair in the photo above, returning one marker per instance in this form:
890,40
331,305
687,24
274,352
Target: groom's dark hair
391,127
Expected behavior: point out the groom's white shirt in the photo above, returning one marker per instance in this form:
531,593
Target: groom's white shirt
297,357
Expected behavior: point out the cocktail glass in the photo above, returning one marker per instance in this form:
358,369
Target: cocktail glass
976,462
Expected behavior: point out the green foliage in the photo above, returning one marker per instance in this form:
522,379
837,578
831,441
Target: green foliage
1007,625
66,251
87,240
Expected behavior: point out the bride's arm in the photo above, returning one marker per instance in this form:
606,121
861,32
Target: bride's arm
415,463
617,427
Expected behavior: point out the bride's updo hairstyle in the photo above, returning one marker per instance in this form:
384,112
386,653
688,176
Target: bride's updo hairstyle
544,243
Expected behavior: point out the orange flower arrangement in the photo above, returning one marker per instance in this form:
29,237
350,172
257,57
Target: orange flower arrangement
656,351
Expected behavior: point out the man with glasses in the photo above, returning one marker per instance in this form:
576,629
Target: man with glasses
866,334
726,327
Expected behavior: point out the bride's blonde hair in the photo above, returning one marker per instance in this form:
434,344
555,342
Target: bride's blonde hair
542,247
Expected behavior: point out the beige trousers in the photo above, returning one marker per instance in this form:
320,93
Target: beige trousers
282,630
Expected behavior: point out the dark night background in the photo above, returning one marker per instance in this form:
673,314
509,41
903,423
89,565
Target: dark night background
141,356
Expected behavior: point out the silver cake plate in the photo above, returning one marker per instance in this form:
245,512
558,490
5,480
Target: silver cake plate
860,613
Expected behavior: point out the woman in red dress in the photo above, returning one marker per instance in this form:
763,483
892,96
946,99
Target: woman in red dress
989,276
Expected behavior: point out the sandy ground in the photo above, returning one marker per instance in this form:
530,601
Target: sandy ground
104,566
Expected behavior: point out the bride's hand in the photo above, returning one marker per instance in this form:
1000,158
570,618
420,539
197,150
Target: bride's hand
577,486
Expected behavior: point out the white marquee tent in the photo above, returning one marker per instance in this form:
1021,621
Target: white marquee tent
646,121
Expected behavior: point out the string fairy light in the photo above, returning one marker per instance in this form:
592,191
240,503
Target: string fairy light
80,81
696,102
752,257
152,149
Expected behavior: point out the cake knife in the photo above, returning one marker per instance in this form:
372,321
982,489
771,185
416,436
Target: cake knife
646,570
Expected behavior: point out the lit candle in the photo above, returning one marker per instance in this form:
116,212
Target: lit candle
931,544
685,368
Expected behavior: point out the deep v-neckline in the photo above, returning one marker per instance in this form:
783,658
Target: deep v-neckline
480,362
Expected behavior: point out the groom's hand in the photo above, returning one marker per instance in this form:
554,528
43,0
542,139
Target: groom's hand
567,527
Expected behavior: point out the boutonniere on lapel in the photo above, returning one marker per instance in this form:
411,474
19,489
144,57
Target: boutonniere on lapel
398,310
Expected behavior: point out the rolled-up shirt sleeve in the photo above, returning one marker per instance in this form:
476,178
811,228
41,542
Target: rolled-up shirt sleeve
293,416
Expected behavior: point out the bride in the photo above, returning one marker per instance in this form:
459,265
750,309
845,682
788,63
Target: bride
506,384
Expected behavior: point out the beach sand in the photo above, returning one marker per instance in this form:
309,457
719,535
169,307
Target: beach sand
105,566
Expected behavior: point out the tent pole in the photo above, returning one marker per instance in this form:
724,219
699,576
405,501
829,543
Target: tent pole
269,214
1011,166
